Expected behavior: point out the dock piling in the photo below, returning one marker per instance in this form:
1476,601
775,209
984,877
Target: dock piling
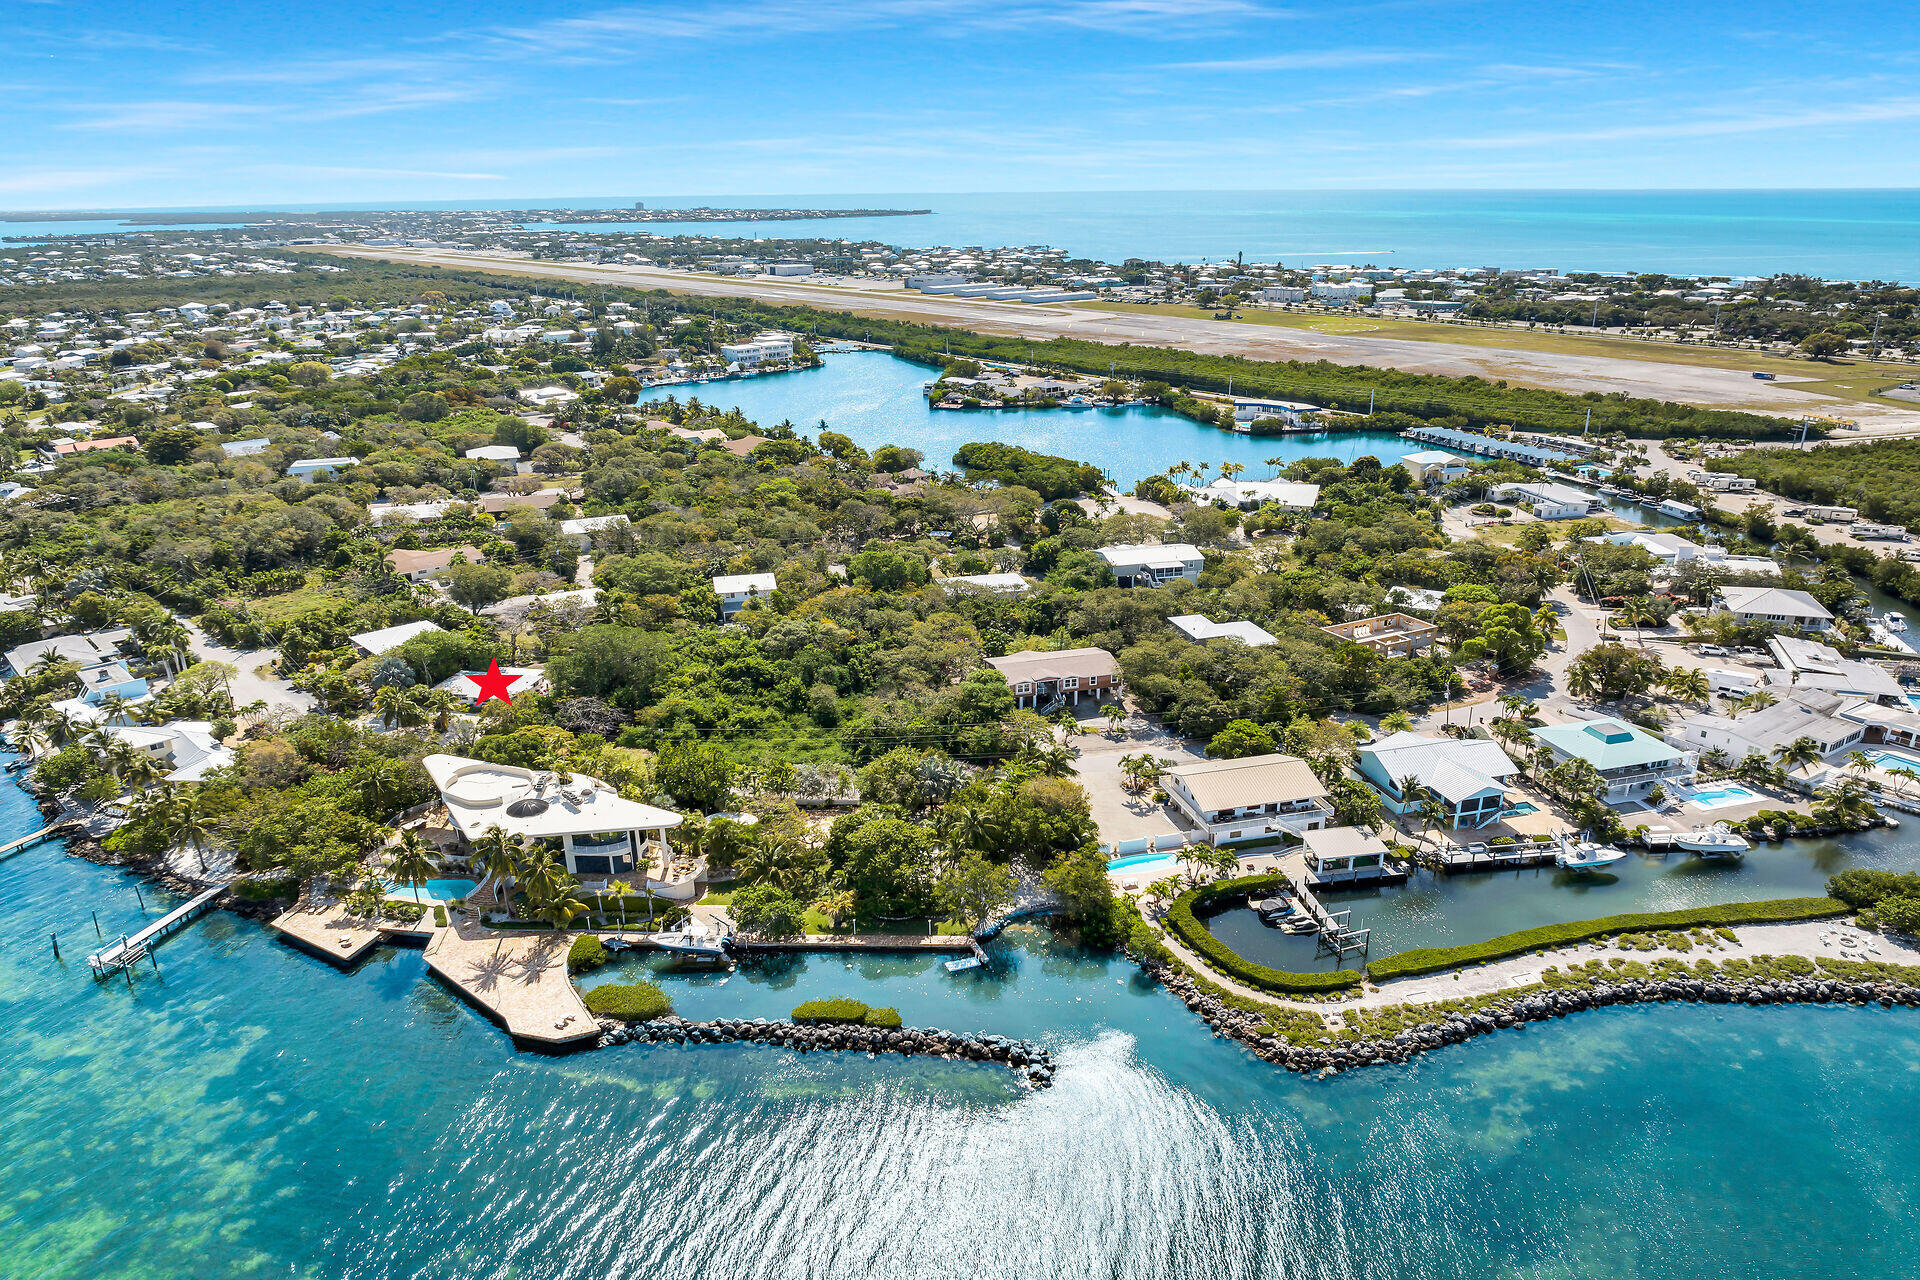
56,945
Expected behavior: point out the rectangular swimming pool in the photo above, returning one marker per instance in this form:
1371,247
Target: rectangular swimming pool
433,890
1886,759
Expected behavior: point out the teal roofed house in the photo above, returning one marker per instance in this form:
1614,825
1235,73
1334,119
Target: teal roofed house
1629,761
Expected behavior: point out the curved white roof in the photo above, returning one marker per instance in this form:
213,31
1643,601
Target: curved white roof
479,794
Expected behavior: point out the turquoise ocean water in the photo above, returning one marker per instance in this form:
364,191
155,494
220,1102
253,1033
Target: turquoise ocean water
248,1111
1836,234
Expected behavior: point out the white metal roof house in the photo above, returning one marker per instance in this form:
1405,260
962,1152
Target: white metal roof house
1468,777
1776,605
1808,664
1152,564
1249,494
386,638
1199,629
1548,501
505,453
307,470
736,589
1252,798
594,829
246,448
1802,713
582,529
84,651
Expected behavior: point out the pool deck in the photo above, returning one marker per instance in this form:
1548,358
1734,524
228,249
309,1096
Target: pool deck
517,978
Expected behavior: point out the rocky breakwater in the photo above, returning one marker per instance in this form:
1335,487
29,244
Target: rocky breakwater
1034,1063
1334,1054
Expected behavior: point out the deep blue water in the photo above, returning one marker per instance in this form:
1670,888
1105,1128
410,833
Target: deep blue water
248,1111
876,399
1837,234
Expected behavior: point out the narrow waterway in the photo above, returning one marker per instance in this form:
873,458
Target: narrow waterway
1433,910
248,1111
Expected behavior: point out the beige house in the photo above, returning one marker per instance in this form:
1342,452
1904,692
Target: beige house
418,566
1391,635
1253,798
1044,680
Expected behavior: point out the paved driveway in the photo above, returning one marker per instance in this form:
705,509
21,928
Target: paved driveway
249,682
1122,814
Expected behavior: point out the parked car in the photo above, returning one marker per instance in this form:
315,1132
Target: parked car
1713,651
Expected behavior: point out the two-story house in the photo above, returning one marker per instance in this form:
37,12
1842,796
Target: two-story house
1252,798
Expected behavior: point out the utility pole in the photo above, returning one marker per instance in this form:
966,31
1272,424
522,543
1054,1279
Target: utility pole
1874,352
1371,392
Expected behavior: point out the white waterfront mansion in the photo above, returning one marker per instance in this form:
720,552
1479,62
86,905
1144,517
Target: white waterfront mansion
599,833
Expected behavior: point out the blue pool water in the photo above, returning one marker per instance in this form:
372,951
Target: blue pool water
1721,797
433,890
1891,759
1525,806
1139,861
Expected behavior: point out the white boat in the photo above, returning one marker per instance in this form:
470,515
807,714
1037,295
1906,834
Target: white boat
1893,621
1716,841
1300,924
964,963
1586,856
1273,910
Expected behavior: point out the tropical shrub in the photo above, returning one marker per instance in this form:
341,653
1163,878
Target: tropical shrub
586,954
630,1001
844,1011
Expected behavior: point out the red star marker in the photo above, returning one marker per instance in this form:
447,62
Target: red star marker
493,683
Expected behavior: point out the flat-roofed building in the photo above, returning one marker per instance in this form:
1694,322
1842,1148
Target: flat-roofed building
1152,564
1391,635
736,589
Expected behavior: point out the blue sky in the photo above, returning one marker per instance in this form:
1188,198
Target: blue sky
208,102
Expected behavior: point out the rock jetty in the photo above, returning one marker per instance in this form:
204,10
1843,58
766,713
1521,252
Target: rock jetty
1034,1063
1533,1006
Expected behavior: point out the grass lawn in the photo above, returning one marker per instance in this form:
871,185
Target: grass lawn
1847,380
289,605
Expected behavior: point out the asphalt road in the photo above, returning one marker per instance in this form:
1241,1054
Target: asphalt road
1689,384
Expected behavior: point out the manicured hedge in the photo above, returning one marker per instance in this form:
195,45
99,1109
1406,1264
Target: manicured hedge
845,1010
586,954
1410,964
631,1001
1181,918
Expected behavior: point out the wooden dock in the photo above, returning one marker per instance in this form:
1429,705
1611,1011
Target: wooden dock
326,930
864,942
516,977
129,950
45,833
1456,860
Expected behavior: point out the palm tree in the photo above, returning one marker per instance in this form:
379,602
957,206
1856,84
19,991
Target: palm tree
382,782
1800,752
498,856
439,706
1583,679
1859,762
1758,700
1116,717
1518,706
1904,776
963,823
62,728
1432,814
191,825
411,863
396,707
542,874
1686,683
621,891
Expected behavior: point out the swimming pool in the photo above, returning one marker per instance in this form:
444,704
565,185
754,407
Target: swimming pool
1892,759
433,890
1144,862
1720,797
1525,806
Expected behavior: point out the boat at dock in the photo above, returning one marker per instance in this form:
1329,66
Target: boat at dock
1586,856
1716,841
1300,925
1275,909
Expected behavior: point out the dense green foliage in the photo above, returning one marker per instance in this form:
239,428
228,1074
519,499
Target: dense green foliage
1046,475
628,1001
1880,478
586,954
843,1010
1421,960
1184,918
